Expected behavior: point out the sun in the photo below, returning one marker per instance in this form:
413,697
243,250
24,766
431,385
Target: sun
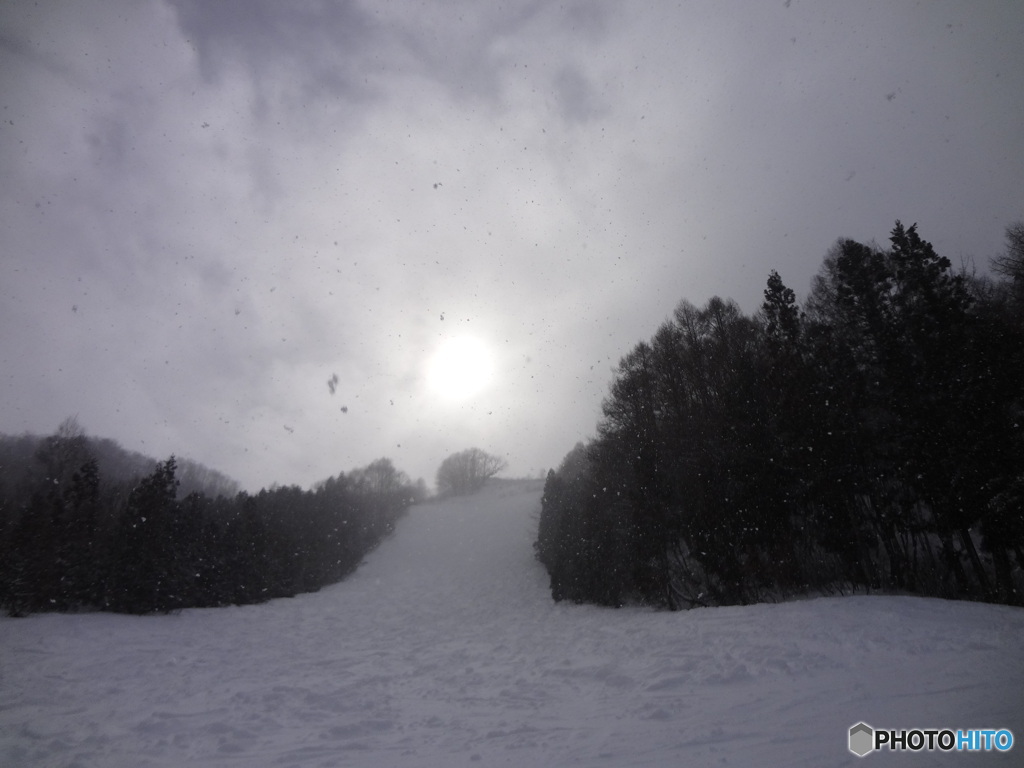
461,367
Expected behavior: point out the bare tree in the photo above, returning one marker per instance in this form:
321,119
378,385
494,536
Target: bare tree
467,471
1011,263
63,452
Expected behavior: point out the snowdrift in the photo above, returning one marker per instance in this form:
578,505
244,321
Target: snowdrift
445,649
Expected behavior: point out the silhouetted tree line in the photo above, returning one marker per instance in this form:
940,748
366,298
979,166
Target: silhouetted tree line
71,541
26,460
872,439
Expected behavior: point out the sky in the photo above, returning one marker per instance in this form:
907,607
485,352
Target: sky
287,239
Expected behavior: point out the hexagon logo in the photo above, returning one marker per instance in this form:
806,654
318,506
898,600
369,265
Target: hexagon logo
862,738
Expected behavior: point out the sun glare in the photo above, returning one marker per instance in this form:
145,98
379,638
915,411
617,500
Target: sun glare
460,368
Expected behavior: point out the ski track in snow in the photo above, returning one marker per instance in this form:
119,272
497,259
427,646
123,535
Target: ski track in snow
445,649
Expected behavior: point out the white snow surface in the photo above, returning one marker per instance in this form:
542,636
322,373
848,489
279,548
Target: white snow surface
445,649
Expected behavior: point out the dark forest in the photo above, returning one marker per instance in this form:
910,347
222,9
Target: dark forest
869,440
79,531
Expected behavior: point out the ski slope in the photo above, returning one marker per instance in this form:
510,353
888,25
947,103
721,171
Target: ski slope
445,649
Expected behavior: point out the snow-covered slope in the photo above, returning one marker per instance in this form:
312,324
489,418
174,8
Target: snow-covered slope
445,649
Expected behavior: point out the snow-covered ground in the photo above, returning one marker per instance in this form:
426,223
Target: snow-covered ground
445,649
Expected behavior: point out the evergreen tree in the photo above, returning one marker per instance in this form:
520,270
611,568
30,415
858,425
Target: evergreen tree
143,570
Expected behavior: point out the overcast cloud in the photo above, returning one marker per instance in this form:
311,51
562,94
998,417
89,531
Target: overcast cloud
208,209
